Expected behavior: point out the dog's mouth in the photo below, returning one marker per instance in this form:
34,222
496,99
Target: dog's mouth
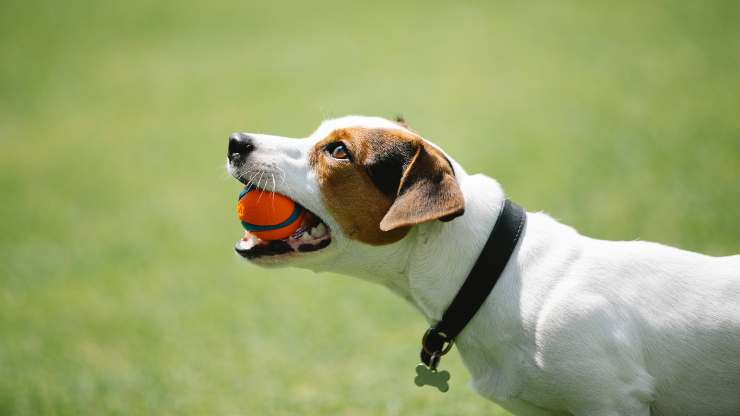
312,235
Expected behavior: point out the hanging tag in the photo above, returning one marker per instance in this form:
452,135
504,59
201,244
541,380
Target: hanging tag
426,376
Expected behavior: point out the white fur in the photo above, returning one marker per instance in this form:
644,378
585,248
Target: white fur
575,325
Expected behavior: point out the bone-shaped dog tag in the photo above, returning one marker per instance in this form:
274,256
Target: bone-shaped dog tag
425,376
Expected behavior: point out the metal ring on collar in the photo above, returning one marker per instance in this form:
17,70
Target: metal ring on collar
445,348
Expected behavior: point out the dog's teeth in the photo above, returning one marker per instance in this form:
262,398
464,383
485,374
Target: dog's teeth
305,236
318,230
246,244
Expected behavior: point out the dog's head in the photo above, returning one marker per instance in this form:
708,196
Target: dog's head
364,180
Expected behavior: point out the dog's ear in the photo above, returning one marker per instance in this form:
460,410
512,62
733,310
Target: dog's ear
427,191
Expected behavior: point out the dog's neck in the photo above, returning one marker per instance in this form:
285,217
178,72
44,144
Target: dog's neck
433,278
418,267
386,265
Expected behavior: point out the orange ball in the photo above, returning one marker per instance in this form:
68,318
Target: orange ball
268,215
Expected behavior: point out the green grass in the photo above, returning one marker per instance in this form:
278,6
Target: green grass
119,293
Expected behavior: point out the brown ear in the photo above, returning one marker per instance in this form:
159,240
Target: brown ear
427,191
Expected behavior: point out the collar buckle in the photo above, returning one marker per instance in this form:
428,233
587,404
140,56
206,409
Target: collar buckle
434,345
436,342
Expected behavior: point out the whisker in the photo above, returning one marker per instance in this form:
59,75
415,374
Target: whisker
251,178
273,190
282,175
274,186
258,186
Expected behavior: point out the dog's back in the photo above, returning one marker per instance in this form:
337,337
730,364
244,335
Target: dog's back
629,323
671,322
692,347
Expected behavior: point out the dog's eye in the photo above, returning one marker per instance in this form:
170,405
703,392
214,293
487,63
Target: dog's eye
338,151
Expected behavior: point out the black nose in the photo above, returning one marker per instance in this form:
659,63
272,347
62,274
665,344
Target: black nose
240,146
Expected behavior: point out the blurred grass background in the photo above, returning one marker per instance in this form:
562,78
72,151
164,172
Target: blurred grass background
119,291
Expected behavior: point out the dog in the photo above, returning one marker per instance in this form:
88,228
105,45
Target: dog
574,325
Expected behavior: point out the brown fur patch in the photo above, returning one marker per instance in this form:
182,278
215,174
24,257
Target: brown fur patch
392,181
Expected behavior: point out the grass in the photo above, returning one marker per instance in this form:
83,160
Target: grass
119,293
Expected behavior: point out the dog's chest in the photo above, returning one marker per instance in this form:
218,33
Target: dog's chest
501,359
500,345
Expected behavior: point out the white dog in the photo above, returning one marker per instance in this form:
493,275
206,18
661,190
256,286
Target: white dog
574,325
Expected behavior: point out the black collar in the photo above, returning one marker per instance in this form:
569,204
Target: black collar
491,262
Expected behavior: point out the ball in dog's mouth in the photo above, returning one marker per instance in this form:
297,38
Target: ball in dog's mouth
312,235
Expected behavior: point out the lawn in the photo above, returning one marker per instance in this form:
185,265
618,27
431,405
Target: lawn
119,290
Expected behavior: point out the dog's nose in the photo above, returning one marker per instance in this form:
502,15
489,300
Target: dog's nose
240,145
